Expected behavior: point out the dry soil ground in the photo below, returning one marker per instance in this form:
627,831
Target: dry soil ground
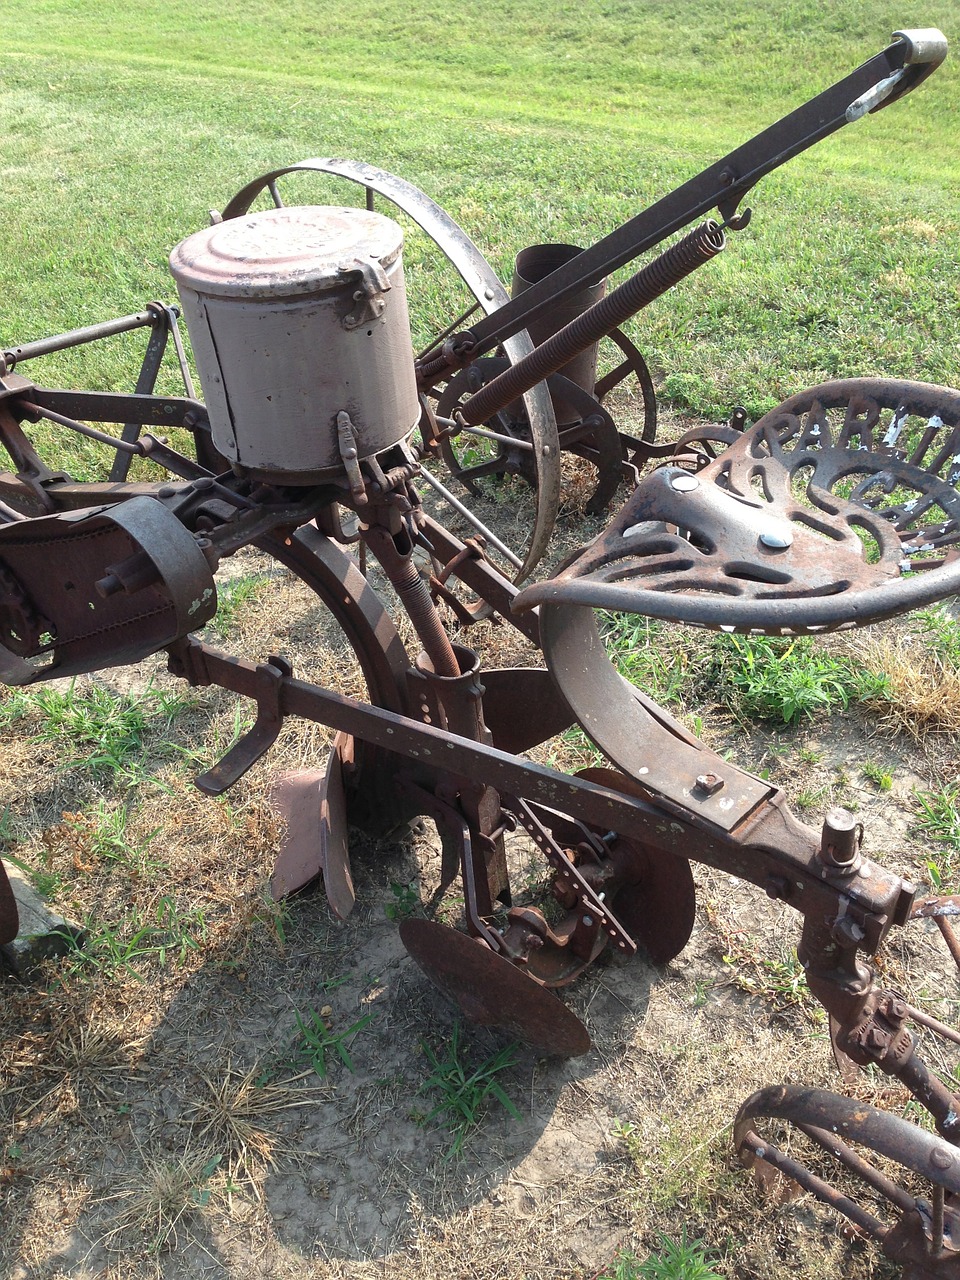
160,1113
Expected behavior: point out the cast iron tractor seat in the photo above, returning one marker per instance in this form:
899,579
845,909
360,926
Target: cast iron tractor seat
837,509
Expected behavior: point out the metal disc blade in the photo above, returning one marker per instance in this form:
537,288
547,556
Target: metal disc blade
296,797
334,835
317,840
523,707
9,915
660,909
492,991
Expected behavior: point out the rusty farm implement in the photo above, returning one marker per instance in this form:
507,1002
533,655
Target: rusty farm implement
323,438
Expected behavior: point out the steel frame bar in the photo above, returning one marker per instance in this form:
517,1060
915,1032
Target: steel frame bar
722,185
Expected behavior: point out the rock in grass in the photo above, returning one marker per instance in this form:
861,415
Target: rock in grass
42,933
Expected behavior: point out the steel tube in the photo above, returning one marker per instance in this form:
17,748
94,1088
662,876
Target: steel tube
468,515
77,337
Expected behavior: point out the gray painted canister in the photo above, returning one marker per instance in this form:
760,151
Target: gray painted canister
295,315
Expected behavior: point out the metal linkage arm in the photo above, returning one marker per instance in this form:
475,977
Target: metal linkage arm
881,80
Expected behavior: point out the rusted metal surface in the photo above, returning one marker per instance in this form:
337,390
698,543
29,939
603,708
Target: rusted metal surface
533,264
582,333
492,991
762,529
942,911
316,842
925,1237
97,588
657,901
868,464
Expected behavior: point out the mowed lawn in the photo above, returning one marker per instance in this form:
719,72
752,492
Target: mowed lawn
528,122
535,121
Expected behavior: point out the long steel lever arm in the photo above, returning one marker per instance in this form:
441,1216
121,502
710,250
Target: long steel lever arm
724,184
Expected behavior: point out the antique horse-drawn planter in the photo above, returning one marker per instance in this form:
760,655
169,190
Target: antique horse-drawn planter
318,432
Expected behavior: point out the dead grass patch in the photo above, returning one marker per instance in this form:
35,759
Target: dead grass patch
923,692
233,1117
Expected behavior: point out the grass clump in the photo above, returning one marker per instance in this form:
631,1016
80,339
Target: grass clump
162,1197
318,1041
939,820
939,632
673,1260
236,1114
921,666
465,1092
780,680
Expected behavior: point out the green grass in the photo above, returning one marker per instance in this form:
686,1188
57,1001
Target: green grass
785,680
317,1042
939,821
465,1090
144,936
234,597
939,631
104,834
681,1259
645,656
100,731
766,679
544,122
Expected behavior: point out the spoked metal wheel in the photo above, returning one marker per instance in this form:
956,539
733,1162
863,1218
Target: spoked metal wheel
628,373
586,427
916,1221
516,523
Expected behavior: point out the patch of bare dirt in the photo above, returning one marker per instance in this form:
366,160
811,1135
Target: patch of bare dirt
162,1115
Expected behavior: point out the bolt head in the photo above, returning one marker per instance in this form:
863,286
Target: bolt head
876,1039
776,541
710,783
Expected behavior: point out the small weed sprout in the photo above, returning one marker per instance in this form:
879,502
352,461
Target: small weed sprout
405,901
631,1137
318,1040
674,1260
464,1093
881,778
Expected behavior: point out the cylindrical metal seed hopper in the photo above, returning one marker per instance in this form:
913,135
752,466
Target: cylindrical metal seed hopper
296,315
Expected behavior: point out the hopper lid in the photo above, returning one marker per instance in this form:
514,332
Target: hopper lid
286,252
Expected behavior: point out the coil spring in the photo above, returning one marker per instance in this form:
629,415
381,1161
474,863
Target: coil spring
696,248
